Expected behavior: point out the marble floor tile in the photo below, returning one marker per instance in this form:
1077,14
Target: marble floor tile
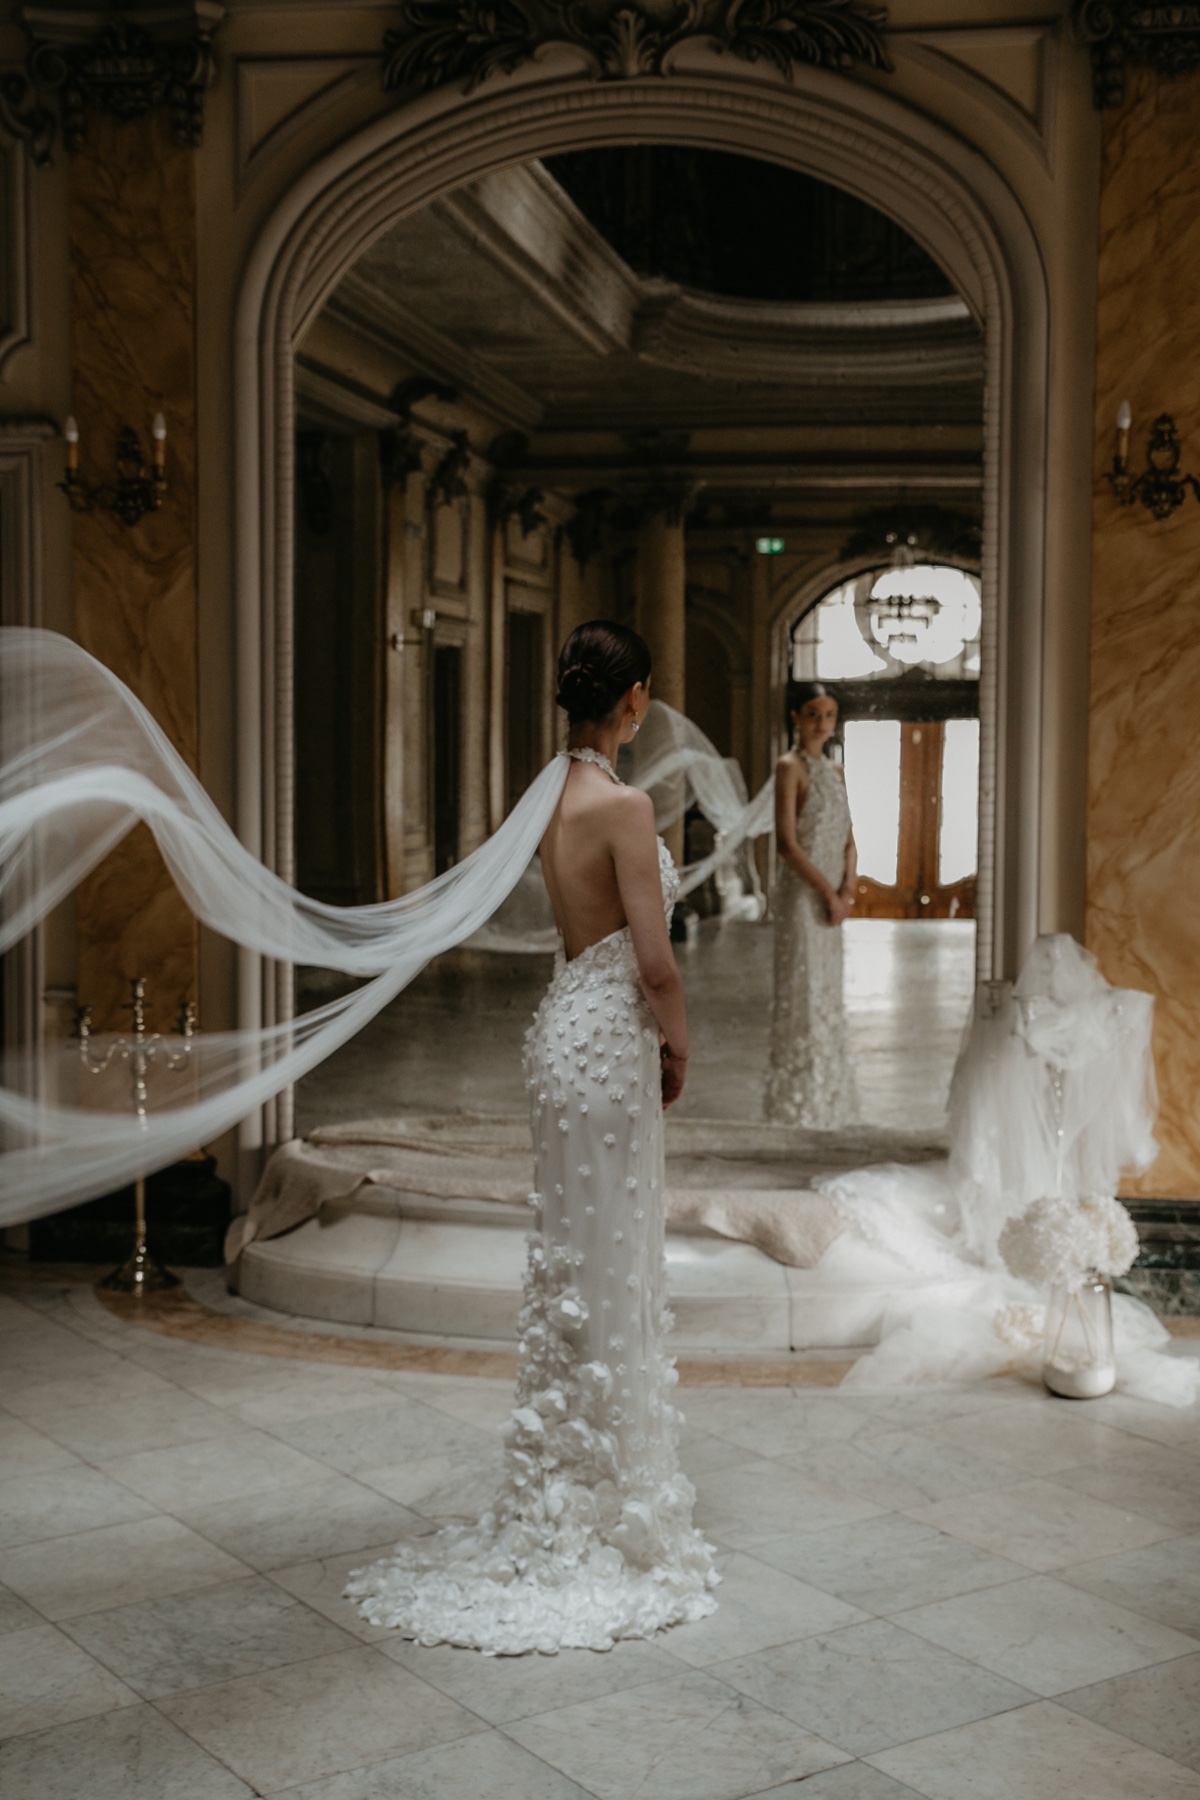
852,1781
56,1502
47,1680
1038,1752
774,1422
1042,1524
871,1685
440,1487
270,1397
754,1501
897,1468
321,1584
151,1421
82,1377
1037,1436
757,1606
374,1437
887,1564
1162,1581
502,1689
134,1754
700,1451
318,1718
24,1451
1174,1426
687,1739
14,1614
224,1468
1149,1479
284,1526
476,1768
1158,1707
484,1403
1045,1635
94,1571
215,1634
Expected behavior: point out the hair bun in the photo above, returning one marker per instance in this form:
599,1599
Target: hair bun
578,688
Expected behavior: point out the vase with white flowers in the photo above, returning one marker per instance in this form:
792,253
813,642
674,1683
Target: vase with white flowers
1074,1248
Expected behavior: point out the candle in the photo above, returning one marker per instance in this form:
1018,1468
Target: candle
71,433
1124,421
159,433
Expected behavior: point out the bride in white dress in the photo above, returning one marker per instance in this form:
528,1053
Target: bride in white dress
811,1079
590,1537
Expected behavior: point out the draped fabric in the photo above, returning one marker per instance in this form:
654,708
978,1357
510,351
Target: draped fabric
81,762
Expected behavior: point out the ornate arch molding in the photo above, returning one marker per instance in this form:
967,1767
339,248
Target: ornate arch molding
939,189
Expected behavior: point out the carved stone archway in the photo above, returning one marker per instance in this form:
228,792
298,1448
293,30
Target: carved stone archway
946,195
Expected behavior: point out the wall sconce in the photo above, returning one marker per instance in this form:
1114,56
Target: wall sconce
1160,487
136,490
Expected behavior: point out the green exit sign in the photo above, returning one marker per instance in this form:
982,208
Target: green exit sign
769,546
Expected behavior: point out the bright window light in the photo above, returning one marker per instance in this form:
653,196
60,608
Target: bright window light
958,836
842,652
873,784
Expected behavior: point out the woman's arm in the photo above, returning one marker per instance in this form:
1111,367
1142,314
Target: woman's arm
635,859
849,886
791,791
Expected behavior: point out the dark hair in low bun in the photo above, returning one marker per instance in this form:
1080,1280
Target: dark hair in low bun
599,662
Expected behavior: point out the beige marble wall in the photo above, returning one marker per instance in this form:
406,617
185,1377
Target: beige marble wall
132,232
1144,774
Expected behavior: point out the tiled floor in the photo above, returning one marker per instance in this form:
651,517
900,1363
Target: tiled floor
452,1040
979,1594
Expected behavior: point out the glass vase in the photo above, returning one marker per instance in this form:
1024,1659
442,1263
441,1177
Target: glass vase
1078,1357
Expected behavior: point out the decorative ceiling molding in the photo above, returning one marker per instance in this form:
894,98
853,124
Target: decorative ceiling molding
908,344
124,64
466,41
1162,35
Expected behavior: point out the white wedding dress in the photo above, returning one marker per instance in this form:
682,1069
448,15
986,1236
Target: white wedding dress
590,1537
811,1079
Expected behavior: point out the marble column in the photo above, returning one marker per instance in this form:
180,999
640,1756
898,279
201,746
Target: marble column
133,269
1144,754
660,586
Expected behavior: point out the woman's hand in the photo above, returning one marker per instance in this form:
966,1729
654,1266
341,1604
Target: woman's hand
674,1075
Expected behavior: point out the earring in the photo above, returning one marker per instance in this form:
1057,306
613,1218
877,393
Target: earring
637,726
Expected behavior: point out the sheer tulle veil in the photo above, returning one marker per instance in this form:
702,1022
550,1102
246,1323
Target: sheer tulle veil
81,762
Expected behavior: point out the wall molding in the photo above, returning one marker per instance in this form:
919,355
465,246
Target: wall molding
21,443
17,313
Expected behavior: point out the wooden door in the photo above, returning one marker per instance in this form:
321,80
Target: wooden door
916,893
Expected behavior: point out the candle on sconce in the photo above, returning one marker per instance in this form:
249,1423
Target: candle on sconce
71,434
1124,423
159,433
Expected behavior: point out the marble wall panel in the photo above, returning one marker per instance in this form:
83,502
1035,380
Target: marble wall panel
132,225
1144,760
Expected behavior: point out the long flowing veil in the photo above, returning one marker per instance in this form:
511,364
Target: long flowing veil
81,762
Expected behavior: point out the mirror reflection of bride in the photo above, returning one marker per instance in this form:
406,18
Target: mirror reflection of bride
810,1080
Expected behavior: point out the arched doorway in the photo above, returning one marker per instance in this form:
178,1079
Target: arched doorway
950,200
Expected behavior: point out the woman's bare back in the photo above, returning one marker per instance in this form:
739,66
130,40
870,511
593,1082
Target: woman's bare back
578,857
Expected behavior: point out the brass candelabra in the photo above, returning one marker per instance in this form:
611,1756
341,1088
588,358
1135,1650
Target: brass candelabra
141,1273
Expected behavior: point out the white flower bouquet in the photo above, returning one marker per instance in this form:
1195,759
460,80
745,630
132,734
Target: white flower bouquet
1058,1242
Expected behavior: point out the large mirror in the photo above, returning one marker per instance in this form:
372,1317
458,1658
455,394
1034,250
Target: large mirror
707,395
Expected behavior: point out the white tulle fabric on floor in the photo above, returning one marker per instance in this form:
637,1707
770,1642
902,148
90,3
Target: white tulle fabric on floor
1053,1095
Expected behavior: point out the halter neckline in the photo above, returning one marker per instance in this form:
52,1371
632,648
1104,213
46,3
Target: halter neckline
597,757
